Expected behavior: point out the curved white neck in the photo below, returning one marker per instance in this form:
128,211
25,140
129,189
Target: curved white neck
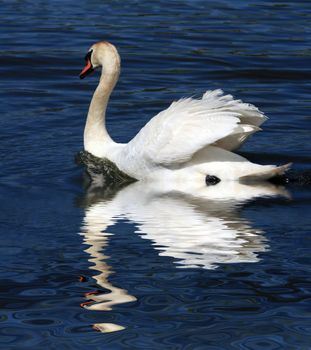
96,136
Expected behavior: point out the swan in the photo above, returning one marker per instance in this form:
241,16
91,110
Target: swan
190,141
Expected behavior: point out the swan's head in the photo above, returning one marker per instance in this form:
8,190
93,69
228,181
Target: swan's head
101,54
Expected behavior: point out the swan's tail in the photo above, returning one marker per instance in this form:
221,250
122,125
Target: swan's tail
266,174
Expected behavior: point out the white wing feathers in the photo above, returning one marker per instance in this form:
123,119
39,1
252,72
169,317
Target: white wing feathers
248,113
188,125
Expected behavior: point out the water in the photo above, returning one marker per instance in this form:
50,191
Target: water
169,272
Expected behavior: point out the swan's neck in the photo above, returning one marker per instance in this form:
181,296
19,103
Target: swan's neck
96,137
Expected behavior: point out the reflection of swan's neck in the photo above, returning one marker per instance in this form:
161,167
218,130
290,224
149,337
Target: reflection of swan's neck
95,132
97,240
103,301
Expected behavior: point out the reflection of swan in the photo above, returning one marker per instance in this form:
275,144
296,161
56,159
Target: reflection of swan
201,230
190,140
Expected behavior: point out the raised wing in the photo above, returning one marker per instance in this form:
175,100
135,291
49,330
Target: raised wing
248,115
188,125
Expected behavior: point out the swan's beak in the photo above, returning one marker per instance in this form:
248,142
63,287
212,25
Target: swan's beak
88,67
86,70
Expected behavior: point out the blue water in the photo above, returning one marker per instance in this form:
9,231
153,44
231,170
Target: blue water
170,272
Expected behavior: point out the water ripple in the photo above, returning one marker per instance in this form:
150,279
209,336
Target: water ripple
163,272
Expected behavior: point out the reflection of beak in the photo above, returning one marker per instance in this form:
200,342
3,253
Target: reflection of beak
87,69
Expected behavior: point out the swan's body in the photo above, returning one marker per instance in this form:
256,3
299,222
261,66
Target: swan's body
186,142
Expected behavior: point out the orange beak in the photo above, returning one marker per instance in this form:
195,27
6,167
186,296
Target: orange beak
86,70
88,67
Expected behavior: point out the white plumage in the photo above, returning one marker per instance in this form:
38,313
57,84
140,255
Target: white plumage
190,139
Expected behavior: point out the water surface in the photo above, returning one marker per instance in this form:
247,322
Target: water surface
162,270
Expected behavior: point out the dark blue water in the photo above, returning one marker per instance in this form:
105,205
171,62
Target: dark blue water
168,272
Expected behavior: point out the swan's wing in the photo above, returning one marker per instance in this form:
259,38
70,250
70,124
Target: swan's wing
248,115
188,125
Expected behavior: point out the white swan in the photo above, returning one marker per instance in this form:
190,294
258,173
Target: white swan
191,140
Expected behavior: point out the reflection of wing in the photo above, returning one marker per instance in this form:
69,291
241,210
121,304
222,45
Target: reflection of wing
195,238
197,231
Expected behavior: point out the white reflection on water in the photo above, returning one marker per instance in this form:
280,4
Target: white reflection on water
97,240
199,228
